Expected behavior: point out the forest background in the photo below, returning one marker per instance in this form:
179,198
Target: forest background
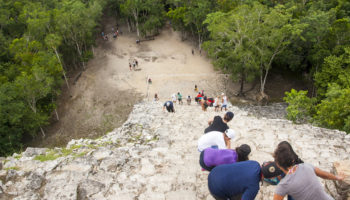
41,41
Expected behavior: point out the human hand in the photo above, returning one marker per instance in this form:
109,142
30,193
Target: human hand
340,177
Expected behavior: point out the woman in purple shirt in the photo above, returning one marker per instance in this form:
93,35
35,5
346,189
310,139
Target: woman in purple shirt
211,158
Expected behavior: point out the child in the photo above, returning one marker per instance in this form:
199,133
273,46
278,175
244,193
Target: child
189,100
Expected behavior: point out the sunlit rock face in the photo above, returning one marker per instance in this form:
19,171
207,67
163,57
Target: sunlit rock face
154,156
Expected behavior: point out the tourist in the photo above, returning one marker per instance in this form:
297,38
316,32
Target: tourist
219,124
189,100
195,88
137,63
169,106
114,35
216,139
224,102
174,98
235,181
156,97
179,97
130,67
210,158
301,180
204,103
192,51
217,104
198,97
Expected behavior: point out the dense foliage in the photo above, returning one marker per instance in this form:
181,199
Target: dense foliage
41,40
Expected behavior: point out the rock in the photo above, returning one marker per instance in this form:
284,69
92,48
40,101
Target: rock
28,196
35,181
343,187
11,175
153,155
30,152
88,188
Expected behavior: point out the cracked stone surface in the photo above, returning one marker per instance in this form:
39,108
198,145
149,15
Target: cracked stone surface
154,156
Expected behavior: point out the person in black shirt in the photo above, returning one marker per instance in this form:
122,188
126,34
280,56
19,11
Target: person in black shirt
219,124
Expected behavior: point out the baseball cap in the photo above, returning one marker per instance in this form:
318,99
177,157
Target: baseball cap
230,133
270,169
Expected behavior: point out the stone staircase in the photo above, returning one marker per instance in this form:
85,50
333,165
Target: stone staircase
154,156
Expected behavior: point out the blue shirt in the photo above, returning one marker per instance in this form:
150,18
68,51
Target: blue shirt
229,180
168,104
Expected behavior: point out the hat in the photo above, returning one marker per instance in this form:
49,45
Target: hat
230,133
229,115
270,169
222,93
244,149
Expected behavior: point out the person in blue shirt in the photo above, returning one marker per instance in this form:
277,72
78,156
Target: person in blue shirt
235,181
169,106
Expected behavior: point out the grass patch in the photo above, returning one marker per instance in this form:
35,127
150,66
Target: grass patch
51,155
18,156
13,168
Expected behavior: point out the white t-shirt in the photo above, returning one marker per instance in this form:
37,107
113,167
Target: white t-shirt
224,100
213,138
216,102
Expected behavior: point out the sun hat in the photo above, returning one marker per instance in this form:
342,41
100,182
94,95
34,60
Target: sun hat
230,133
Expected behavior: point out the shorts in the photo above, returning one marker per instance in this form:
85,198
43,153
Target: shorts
170,109
224,106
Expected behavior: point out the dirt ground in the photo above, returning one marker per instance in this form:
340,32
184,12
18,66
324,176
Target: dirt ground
102,98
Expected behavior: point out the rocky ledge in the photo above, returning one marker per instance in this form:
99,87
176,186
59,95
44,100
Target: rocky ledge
154,156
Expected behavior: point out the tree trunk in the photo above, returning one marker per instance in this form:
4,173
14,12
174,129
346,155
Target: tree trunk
241,88
58,118
128,23
64,73
137,22
81,55
42,131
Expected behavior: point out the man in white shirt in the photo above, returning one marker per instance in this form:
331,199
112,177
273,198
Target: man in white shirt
224,101
216,139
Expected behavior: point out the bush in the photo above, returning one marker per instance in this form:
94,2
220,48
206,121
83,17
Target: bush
300,106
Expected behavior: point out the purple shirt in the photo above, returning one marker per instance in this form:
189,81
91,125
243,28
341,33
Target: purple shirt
214,157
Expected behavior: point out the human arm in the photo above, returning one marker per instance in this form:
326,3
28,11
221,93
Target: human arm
227,142
210,122
277,197
326,175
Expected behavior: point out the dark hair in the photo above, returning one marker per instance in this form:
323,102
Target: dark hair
297,160
242,152
285,156
228,116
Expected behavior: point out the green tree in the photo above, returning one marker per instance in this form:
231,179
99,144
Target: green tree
233,37
300,106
